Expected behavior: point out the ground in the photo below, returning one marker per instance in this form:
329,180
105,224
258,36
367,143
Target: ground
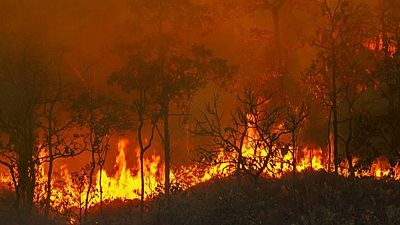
311,198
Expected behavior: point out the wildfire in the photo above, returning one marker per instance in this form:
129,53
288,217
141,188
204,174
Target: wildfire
377,45
125,184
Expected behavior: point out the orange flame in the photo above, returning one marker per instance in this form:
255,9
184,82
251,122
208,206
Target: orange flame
125,183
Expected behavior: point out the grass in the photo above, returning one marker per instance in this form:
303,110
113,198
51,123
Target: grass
311,198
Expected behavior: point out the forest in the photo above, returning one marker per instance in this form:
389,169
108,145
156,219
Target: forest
175,112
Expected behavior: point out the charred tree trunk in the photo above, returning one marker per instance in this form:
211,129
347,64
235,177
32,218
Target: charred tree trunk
48,185
239,169
335,133
141,185
26,175
329,141
349,160
142,151
349,156
101,161
101,189
167,148
240,154
89,189
334,107
80,212
93,142
294,146
51,161
26,185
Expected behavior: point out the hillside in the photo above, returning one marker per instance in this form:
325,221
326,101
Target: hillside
311,198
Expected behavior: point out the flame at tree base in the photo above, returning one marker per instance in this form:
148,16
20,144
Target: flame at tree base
125,184
70,192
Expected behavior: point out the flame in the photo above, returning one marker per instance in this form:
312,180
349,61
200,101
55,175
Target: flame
125,183
376,44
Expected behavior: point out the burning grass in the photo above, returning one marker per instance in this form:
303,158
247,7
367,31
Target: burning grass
214,183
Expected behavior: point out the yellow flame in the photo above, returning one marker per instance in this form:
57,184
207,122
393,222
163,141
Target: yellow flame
126,182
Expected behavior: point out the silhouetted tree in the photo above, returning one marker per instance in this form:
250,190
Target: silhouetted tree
340,59
169,76
293,120
386,78
253,139
27,83
97,116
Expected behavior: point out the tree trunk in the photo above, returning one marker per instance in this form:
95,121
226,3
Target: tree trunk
334,110
80,211
294,162
335,136
329,141
240,157
25,192
51,160
101,189
93,162
89,189
349,156
141,184
48,187
350,160
167,149
239,169
26,180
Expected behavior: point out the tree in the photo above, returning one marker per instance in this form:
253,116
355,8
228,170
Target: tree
385,76
254,139
295,116
97,117
340,59
80,181
274,6
142,110
56,136
139,77
170,74
229,139
178,68
25,81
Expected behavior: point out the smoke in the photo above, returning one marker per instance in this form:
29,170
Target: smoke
95,33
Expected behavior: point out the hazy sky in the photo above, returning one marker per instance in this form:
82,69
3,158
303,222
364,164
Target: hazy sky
95,32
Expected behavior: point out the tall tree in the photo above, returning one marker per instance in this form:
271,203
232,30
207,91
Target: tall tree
295,116
170,75
97,116
253,141
386,78
56,133
24,82
339,40
175,65
138,77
